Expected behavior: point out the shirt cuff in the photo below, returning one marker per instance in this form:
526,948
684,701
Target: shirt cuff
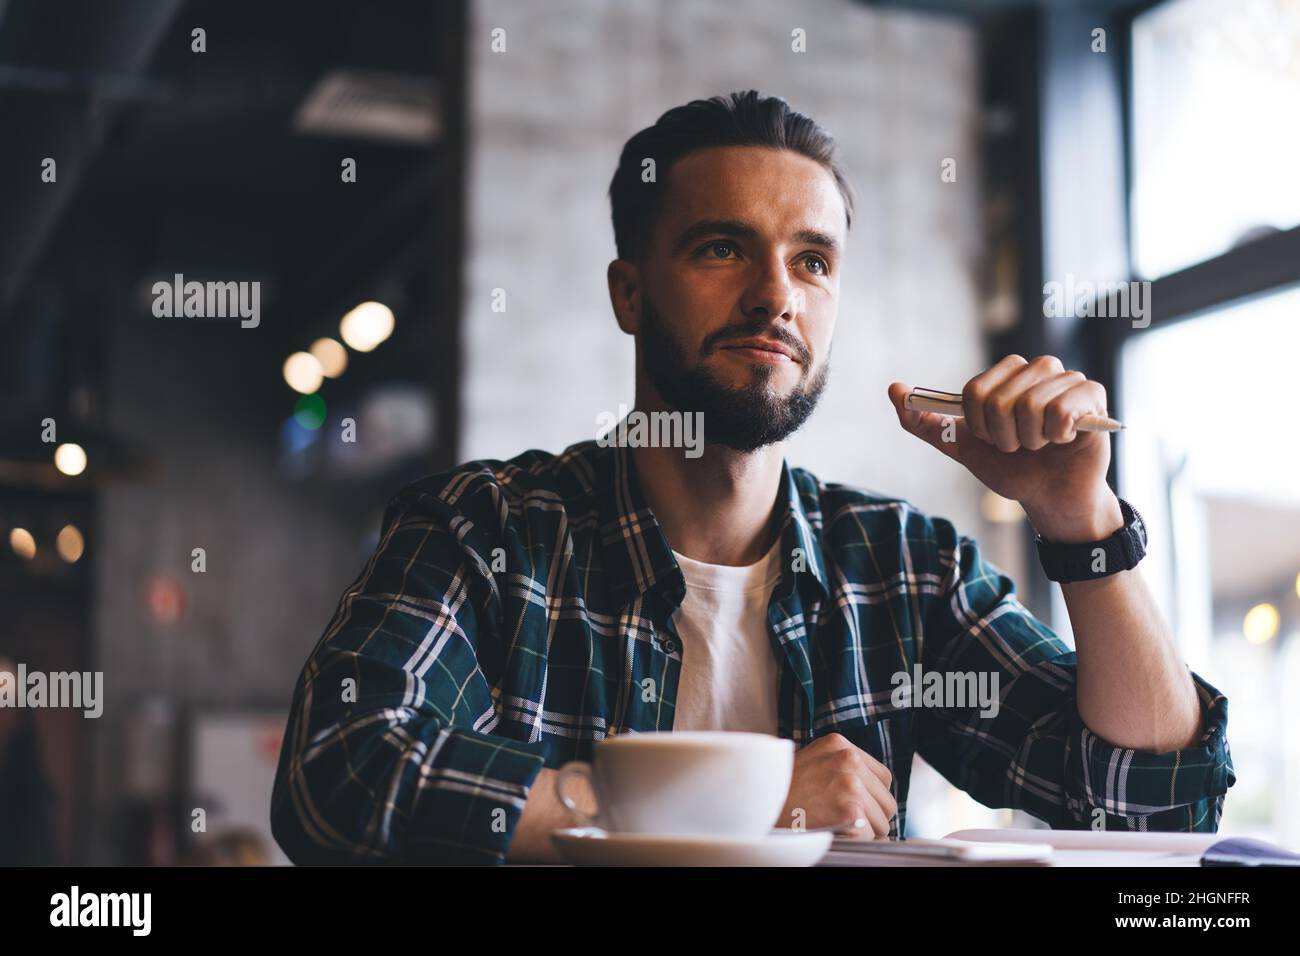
471,792
1129,782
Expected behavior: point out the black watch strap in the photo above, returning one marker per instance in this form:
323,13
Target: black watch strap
1096,559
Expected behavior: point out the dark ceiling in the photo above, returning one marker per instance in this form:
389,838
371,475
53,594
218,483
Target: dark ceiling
170,159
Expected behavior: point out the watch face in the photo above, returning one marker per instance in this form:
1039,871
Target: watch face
1138,525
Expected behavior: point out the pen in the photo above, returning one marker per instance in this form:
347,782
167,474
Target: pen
949,403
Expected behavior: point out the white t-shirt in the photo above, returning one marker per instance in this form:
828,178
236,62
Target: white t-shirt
729,674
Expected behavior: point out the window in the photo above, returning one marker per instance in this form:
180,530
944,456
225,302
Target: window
1212,447
1211,455
1215,139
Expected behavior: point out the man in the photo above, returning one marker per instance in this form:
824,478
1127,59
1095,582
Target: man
516,612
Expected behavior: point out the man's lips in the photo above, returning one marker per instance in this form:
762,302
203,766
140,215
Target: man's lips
763,350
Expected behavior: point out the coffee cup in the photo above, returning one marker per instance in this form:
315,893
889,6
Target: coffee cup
697,783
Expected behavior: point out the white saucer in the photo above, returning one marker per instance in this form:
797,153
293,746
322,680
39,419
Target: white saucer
591,846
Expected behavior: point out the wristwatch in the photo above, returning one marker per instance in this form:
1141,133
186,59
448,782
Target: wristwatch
1096,559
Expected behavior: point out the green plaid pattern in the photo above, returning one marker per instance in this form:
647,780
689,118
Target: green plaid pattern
516,612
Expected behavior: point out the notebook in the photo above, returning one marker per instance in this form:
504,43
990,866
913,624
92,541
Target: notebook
923,852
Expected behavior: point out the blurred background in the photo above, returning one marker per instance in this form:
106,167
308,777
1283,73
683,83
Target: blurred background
181,505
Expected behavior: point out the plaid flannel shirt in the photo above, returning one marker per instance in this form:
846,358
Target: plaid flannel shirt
514,613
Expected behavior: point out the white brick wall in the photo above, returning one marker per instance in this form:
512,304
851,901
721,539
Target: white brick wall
547,120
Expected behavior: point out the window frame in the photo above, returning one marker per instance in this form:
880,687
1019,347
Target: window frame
1268,264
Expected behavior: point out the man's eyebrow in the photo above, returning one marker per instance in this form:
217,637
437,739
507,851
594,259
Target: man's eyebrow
713,227
743,230
814,238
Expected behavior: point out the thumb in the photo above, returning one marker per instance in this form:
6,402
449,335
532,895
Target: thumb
941,431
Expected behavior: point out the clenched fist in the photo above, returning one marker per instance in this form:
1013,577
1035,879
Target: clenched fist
834,783
1019,438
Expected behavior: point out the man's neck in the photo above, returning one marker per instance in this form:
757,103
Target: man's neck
719,508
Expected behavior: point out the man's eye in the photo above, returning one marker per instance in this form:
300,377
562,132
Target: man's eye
715,246
820,263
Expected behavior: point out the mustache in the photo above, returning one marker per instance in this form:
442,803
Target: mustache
763,328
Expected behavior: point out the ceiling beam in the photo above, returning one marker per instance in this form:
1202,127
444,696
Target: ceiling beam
122,47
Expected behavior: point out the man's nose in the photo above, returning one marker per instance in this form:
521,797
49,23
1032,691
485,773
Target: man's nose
773,294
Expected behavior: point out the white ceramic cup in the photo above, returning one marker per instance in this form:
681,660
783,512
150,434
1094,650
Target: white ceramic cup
700,783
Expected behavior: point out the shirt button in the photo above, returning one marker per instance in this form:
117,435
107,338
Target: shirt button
669,647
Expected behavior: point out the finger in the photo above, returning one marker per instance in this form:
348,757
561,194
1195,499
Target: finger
941,431
853,759
1031,407
978,389
860,796
876,816
867,770
1000,404
877,769
883,797
850,803
1063,412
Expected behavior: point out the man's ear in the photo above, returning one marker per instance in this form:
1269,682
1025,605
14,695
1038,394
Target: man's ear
625,294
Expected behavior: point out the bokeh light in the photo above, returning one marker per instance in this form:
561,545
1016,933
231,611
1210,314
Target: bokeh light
333,357
309,411
1261,624
70,459
367,325
24,545
70,543
303,373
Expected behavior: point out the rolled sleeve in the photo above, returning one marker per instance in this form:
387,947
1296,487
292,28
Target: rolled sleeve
472,792
1035,753
389,756
1176,790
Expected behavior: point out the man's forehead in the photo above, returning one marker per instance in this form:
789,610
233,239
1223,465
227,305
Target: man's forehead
769,188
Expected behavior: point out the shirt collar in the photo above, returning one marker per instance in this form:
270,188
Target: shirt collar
638,558
801,533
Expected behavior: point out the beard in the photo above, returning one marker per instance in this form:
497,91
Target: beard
746,418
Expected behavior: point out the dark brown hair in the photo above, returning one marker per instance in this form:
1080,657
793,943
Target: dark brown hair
739,119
